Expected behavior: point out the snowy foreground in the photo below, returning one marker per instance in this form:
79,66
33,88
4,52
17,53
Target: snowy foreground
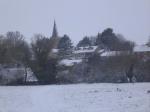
76,98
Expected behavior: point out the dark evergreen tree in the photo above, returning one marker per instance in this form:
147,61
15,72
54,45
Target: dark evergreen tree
93,40
109,40
84,42
65,47
99,41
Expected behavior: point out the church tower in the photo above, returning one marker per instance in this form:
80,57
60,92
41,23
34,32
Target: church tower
55,38
54,33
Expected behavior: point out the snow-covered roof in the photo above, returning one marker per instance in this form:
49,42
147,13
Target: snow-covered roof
109,53
55,50
101,51
88,49
113,53
141,48
68,62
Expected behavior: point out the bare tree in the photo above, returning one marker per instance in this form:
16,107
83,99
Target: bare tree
13,48
44,66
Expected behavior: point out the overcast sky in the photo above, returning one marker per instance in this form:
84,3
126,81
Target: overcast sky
77,18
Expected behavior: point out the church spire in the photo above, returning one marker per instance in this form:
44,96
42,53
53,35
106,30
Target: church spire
54,33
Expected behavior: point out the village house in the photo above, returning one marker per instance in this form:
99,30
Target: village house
142,52
84,52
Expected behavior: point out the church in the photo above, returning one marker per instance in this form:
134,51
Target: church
55,38
78,53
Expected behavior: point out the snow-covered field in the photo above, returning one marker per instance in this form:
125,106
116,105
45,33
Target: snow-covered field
76,98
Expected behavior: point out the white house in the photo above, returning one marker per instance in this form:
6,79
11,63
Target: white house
84,52
142,52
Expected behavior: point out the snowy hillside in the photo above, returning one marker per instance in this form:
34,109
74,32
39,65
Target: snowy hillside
76,98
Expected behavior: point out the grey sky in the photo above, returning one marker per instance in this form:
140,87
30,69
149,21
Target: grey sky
77,18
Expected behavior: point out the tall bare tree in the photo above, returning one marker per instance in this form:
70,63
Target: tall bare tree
44,66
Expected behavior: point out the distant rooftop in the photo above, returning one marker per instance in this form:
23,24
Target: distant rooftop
141,48
87,49
68,62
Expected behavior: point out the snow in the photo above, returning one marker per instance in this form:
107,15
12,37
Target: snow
68,62
11,74
101,51
55,50
109,53
76,98
113,53
30,76
88,49
141,48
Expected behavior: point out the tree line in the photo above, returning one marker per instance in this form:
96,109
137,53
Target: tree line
38,55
